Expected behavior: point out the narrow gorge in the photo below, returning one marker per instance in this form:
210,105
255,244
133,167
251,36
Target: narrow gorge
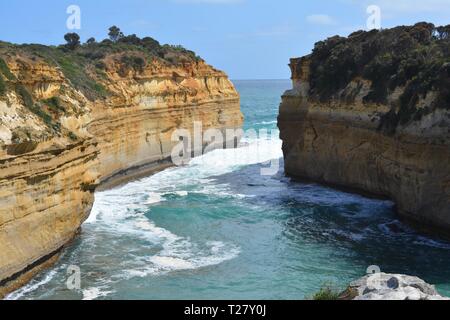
72,121
371,113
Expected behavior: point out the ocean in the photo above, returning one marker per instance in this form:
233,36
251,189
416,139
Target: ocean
219,229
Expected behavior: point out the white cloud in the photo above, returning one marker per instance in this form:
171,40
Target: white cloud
321,19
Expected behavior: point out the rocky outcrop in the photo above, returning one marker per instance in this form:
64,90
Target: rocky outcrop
382,286
70,123
342,126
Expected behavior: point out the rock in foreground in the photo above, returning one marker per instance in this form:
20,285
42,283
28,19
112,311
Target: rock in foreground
383,286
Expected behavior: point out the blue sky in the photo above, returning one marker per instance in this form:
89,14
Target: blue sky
249,39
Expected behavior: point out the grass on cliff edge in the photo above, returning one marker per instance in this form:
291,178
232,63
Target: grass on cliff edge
84,66
73,66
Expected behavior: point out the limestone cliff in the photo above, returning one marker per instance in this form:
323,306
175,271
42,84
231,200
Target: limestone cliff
372,112
72,119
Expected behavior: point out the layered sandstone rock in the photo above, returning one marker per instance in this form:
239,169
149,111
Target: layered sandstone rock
385,147
136,128
59,141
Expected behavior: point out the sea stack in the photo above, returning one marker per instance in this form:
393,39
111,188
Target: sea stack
72,119
371,112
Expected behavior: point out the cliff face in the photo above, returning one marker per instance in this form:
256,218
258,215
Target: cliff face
64,131
356,133
136,128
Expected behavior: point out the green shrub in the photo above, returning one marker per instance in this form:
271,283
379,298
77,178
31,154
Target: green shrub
326,293
73,136
133,62
26,97
2,86
5,70
36,109
131,39
73,40
55,104
150,44
74,70
115,34
28,102
99,89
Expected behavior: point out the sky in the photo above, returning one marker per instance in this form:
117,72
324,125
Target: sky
248,39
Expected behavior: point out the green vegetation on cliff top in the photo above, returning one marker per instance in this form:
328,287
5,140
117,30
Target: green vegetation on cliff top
84,64
413,58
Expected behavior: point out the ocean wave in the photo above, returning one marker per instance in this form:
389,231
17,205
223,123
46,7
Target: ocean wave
267,122
421,240
397,229
95,293
124,212
32,286
123,209
154,197
184,256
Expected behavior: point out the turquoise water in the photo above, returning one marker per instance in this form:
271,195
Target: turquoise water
218,229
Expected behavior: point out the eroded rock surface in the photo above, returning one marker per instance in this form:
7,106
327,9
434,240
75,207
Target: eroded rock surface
382,286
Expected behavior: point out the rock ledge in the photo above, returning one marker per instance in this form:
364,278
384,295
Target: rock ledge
382,286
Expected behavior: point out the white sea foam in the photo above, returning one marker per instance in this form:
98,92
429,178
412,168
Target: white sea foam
357,237
154,197
124,211
95,293
268,122
182,193
432,243
184,256
112,206
33,285
171,263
